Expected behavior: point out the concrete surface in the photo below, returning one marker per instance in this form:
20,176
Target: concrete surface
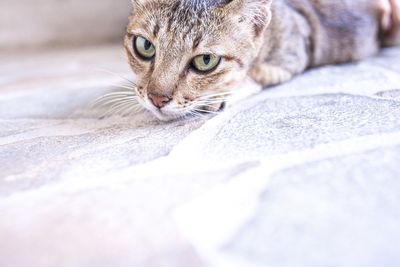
303,174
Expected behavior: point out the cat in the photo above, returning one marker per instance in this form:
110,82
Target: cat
190,56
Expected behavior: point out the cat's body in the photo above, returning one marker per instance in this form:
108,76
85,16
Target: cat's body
190,56
310,33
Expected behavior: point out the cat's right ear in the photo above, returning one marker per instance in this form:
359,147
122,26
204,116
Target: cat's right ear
256,12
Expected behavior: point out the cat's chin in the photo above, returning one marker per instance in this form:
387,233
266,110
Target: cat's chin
170,113
172,116
167,116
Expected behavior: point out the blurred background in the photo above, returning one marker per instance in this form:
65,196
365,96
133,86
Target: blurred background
59,47
55,23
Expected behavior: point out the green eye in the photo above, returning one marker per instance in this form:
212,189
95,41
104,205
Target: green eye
205,63
144,48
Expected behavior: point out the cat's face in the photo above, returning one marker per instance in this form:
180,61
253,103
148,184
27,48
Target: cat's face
188,56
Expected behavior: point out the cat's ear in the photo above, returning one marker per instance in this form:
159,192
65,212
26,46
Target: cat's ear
257,12
138,3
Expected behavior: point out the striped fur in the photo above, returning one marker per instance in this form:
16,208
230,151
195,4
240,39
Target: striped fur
267,40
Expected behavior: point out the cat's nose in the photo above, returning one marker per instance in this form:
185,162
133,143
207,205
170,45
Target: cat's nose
158,100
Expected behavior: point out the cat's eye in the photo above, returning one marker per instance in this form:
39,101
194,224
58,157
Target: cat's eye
205,63
144,48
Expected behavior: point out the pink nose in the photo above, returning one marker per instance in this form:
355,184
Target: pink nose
159,101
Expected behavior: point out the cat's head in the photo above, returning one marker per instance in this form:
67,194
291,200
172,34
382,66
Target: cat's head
189,55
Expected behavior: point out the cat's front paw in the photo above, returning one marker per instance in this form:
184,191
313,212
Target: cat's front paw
268,75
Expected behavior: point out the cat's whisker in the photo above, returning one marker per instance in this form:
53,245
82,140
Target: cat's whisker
112,97
135,109
200,114
123,86
210,99
194,113
117,75
107,113
218,94
115,99
122,109
125,83
110,100
215,95
121,93
129,101
206,111
208,103
117,94
194,106
118,107
116,103
198,110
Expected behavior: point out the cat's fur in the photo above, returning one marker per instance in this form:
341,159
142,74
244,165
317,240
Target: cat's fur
267,40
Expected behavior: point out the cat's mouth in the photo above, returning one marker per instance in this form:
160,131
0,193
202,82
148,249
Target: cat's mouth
222,107
166,114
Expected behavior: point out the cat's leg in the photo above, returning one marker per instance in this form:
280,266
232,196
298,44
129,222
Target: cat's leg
391,30
269,75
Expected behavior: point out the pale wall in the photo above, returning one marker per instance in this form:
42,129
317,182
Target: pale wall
35,23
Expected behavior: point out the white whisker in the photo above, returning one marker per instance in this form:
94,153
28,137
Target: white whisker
117,75
207,96
207,103
133,110
123,86
129,101
122,102
127,93
118,107
122,108
109,101
206,111
115,95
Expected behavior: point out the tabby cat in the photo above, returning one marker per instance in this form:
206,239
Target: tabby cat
191,56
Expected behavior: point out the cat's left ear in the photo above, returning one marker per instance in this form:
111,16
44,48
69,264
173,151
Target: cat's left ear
257,12
138,3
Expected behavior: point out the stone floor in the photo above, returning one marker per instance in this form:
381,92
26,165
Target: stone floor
304,174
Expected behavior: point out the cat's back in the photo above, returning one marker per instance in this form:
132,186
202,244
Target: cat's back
342,30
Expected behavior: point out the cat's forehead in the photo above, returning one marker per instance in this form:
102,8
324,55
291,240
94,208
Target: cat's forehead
195,5
179,15
182,23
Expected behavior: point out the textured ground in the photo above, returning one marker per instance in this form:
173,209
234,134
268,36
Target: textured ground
305,174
